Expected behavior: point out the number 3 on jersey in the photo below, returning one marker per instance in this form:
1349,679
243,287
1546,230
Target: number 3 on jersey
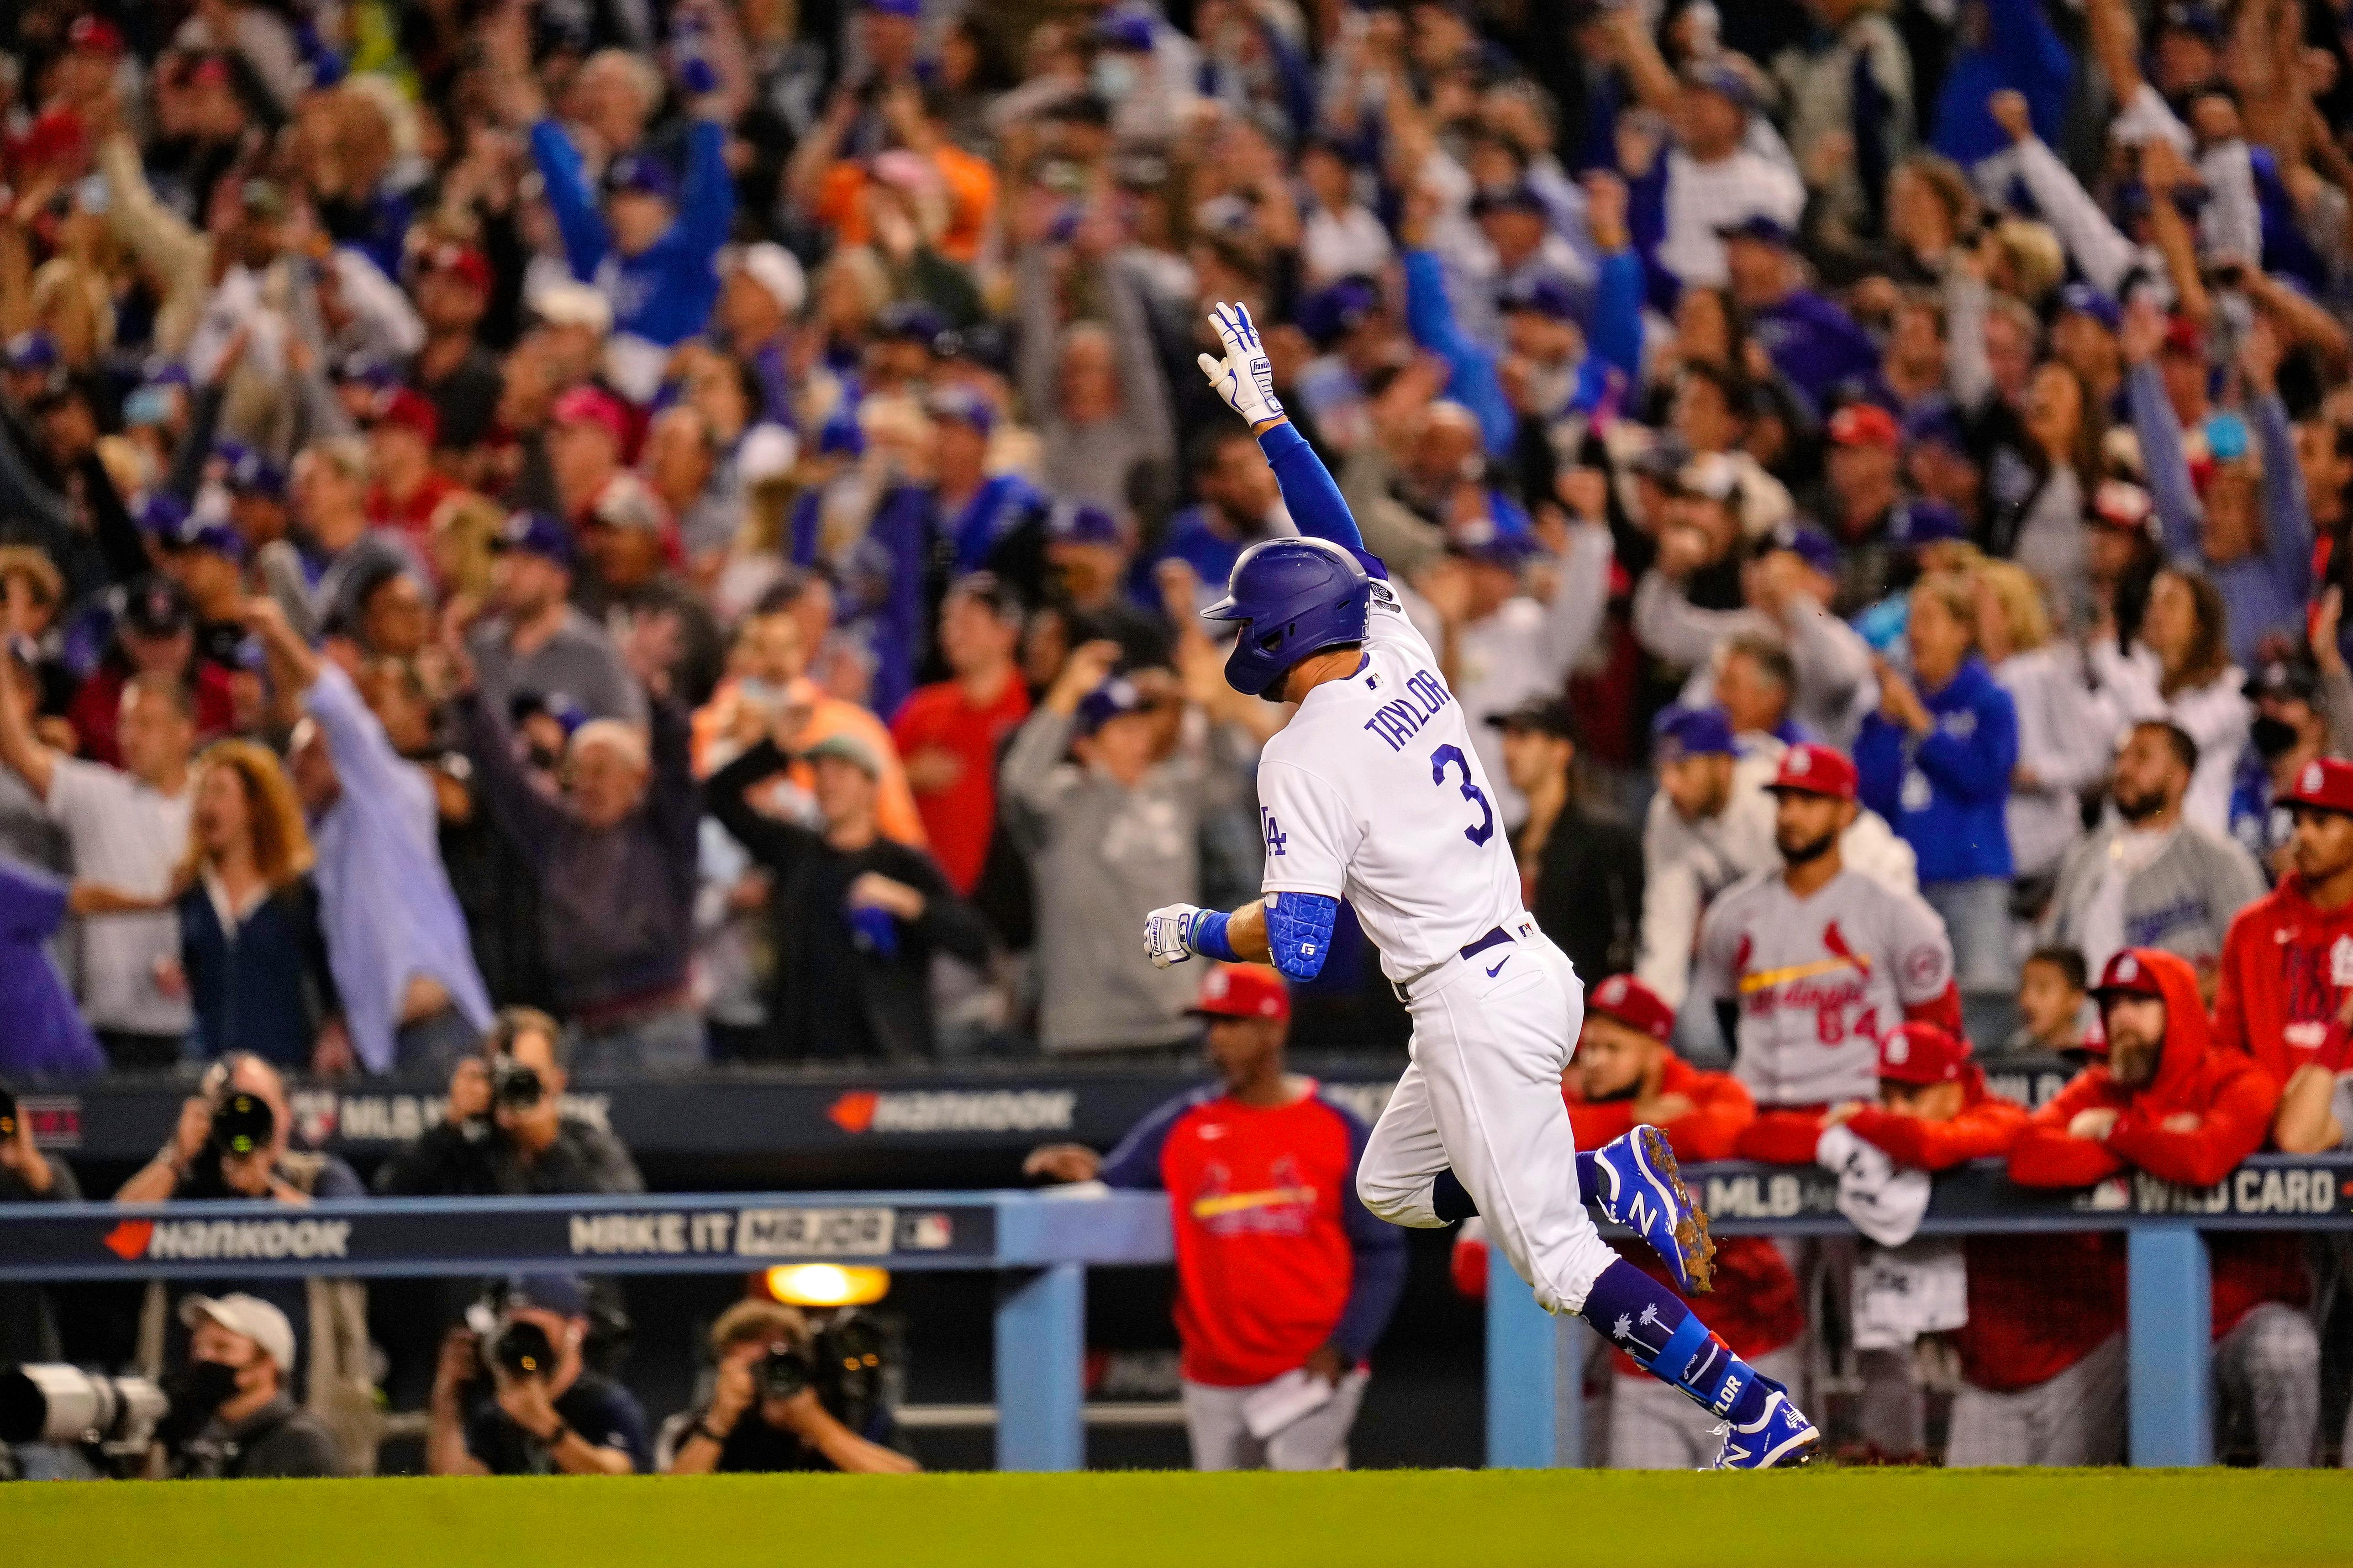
1439,761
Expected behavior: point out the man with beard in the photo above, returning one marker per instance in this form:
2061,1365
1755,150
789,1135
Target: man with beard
2285,994
2147,878
1809,963
2169,1100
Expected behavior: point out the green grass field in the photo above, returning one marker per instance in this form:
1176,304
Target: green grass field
1425,1519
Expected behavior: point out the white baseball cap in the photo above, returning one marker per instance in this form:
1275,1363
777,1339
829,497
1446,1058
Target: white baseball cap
251,1316
774,269
573,305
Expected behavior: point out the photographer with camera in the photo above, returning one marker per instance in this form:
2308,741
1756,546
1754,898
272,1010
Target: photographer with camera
506,1132
546,1413
28,1330
766,1412
231,1143
231,1404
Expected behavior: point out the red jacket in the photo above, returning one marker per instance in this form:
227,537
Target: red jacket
2021,1330
2231,1099
1754,1305
2286,968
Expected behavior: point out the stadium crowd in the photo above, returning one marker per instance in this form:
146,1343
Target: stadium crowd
658,535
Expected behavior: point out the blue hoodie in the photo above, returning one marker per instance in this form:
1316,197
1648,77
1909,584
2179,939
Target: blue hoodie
665,292
45,1035
1947,795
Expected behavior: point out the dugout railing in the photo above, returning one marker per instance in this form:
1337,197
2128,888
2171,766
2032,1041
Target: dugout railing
1040,1245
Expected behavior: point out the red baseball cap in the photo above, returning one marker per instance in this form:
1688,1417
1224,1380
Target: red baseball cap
594,406
1243,991
408,409
471,265
2128,974
2182,337
2323,782
1815,770
1622,999
1865,424
95,34
1922,1054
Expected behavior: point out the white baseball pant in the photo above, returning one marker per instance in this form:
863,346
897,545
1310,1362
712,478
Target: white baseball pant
1490,1036
1317,1441
2075,1417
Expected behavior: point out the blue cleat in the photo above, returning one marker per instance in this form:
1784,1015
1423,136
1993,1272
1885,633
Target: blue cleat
1644,1191
1780,1438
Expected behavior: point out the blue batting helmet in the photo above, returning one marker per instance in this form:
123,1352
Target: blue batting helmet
1294,597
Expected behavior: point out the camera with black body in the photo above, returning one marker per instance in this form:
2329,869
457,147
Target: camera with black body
243,1124
7,1112
523,1350
847,1361
515,1086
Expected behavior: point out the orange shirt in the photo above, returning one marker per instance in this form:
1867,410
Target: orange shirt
895,816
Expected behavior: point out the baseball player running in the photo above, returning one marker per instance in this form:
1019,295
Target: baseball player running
1373,791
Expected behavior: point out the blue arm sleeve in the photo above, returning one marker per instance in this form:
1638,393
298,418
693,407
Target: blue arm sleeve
1299,929
1135,1164
1378,1251
706,209
2288,520
1308,490
569,197
1879,766
1473,383
2162,459
32,901
1616,339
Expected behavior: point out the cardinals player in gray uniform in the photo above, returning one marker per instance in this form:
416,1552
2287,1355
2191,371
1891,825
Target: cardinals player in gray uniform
1373,791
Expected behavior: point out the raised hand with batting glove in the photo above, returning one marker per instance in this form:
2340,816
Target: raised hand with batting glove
1245,377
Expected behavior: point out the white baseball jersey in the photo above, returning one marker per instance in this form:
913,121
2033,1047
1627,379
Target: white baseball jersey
1818,980
1374,793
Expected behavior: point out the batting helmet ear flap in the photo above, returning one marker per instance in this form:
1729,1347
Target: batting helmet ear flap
1294,597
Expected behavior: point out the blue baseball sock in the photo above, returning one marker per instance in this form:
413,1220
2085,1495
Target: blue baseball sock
1642,1316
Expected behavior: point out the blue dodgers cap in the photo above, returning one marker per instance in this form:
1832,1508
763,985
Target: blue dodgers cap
841,436
963,405
1079,522
1114,697
251,473
536,533
1337,309
1724,81
1125,29
1937,424
1680,732
163,514
642,174
1809,544
1543,293
218,538
2083,300
1516,198
1918,522
32,350
564,1294
910,320
1763,228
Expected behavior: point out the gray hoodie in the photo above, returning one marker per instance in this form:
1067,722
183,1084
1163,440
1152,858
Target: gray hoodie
1102,856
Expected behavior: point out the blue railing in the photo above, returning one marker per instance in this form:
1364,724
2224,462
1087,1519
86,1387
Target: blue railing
1042,1244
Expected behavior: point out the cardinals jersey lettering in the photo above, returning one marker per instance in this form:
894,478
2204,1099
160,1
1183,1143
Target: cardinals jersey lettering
1276,1257
1374,793
1818,981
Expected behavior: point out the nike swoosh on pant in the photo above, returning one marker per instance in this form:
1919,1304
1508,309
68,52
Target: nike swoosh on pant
1499,965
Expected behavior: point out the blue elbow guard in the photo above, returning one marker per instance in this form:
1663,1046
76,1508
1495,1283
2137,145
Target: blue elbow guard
1299,929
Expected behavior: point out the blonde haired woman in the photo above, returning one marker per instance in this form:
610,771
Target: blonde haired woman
253,958
2062,743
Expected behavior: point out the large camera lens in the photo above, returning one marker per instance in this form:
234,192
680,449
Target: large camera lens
516,1086
53,1402
523,1350
781,1374
243,1123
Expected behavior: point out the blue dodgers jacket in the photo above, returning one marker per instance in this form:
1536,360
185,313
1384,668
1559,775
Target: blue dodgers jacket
1947,796
665,292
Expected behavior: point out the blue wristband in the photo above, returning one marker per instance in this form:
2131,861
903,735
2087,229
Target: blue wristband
1209,937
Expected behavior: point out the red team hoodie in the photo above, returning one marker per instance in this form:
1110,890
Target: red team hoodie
2286,967
1276,1255
2232,1099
